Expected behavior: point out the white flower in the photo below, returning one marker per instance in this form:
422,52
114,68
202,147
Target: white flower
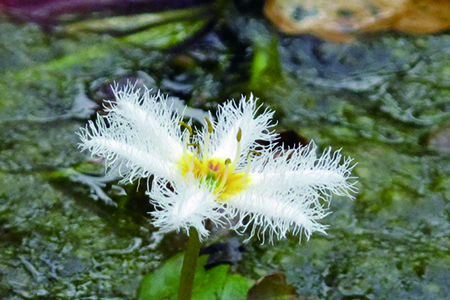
220,172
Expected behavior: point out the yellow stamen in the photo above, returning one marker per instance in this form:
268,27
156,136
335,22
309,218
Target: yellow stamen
207,139
192,160
187,137
210,126
224,178
249,162
187,126
238,150
216,173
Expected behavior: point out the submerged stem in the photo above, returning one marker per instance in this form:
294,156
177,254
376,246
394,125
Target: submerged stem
189,265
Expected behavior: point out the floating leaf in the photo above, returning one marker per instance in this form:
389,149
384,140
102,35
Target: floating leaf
273,287
210,284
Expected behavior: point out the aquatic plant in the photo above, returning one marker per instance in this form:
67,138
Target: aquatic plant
221,172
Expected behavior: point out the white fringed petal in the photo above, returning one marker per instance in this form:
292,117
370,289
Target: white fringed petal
230,117
151,118
139,137
123,151
303,170
187,205
276,213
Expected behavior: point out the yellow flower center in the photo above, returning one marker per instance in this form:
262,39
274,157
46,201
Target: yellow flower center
216,173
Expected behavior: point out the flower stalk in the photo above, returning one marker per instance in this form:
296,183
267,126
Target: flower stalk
189,264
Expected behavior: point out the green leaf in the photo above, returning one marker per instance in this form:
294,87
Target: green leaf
210,284
166,35
133,23
236,287
163,283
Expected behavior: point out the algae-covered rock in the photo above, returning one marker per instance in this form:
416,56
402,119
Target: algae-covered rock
56,241
58,246
386,102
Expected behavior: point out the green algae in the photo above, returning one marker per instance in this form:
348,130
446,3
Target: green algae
384,101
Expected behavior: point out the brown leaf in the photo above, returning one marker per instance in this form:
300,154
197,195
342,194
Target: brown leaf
273,287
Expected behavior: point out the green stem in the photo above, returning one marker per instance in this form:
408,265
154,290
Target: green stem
189,265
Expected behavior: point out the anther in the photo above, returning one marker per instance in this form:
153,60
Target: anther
238,150
187,137
187,126
210,125
257,153
207,139
197,146
249,163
